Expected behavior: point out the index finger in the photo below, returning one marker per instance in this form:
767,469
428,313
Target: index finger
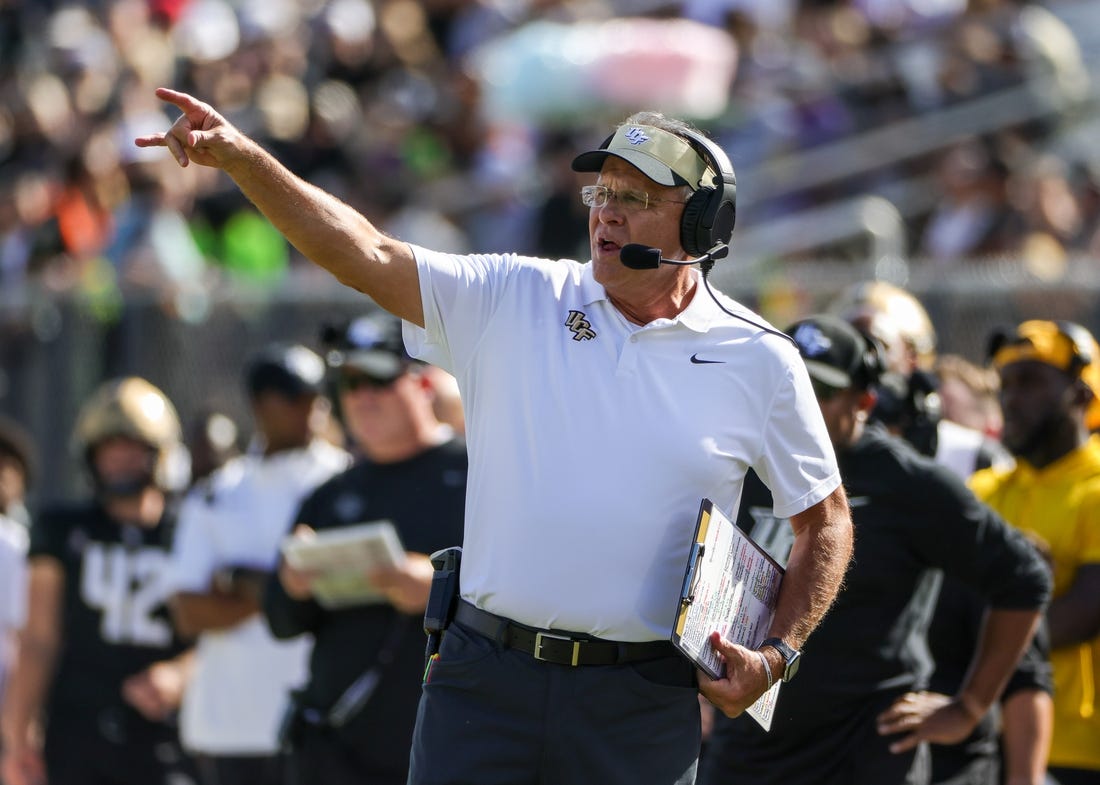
185,102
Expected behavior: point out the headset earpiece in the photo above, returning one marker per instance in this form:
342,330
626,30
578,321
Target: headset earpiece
711,211
695,236
871,365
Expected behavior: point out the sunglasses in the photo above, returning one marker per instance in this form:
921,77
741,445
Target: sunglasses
825,392
350,382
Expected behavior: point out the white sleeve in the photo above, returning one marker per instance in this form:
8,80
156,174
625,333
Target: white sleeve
798,463
450,284
193,559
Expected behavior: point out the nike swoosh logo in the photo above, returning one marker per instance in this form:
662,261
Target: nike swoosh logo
696,361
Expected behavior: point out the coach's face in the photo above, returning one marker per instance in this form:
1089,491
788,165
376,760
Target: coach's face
622,220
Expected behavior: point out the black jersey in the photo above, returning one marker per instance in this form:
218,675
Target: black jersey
424,498
115,622
912,517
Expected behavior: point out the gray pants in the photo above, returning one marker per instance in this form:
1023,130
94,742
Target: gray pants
495,716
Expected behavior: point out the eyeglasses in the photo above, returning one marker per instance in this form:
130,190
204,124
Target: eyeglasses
630,200
350,382
825,392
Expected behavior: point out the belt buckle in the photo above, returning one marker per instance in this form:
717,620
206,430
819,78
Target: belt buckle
539,636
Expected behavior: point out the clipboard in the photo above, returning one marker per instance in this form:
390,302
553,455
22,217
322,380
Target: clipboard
731,585
341,559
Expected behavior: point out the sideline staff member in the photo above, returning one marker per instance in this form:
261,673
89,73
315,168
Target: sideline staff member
1050,383
911,515
602,402
355,717
226,544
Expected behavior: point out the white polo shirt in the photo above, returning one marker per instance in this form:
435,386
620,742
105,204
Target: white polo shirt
592,440
235,700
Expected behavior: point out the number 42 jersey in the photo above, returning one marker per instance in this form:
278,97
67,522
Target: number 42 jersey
114,618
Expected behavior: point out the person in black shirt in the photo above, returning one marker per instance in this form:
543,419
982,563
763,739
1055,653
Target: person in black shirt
911,404
354,718
831,724
99,663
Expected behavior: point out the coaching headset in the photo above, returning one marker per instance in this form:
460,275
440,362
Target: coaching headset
870,369
711,210
709,214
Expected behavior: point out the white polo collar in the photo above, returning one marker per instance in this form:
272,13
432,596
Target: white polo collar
700,314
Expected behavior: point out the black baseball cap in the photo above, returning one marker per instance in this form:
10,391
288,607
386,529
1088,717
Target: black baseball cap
291,370
834,351
369,344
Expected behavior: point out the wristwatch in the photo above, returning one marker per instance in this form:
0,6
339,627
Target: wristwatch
791,657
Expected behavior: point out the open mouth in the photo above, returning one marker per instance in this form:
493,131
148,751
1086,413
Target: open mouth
607,247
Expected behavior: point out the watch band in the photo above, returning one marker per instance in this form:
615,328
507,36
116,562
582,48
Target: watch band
791,657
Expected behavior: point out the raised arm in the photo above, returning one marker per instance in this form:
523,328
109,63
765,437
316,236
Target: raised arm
327,231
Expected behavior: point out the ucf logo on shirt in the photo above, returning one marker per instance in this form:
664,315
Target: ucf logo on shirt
579,325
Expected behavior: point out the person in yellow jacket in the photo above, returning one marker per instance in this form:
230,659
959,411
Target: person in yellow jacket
1050,383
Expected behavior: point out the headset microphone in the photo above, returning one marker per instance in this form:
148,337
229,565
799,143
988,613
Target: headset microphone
641,257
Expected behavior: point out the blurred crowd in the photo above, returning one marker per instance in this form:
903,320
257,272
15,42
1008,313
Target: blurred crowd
395,106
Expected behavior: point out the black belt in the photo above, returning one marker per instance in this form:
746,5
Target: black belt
561,648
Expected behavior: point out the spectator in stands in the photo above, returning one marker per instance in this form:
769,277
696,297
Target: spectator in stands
1047,215
230,527
811,73
971,216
